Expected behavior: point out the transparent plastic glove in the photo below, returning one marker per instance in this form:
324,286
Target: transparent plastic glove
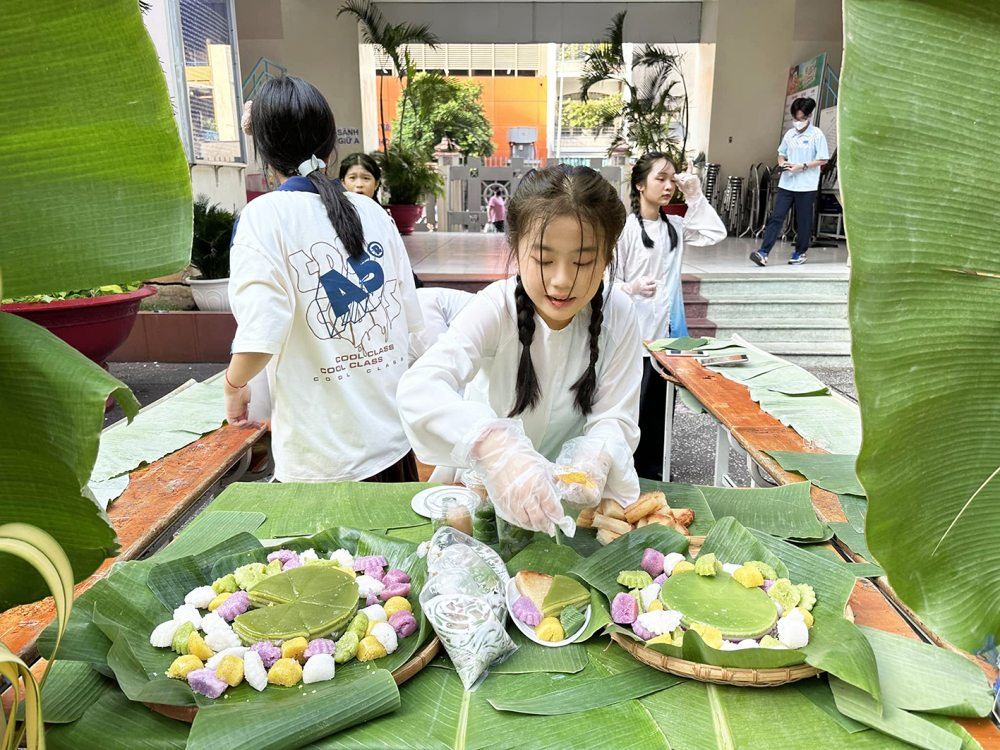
520,481
688,183
641,287
582,471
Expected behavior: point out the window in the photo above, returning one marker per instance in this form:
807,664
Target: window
211,80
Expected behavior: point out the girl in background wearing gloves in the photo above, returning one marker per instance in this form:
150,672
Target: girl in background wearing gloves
650,253
556,359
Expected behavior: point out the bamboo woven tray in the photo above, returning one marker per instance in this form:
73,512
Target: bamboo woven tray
420,660
739,676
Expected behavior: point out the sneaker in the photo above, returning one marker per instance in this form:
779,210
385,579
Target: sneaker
797,259
760,258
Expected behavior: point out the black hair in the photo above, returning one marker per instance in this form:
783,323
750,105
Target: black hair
365,162
640,172
803,104
291,122
543,195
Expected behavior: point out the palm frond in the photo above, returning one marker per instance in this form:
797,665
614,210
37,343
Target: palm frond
616,32
373,23
410,33
650,56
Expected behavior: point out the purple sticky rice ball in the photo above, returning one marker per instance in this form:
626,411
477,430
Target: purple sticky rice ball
525,610
642,632
652,562
404,623
205,682
400,589
767,584
400,576
624,609
285,555
374,571
660,579
371,599
268,652
234,606
320,646
295,562
361,563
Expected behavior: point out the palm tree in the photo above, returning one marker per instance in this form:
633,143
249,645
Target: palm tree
392,41
643,121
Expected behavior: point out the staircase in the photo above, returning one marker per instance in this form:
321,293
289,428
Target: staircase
799,317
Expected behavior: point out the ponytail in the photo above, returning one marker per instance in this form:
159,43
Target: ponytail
527,391
586,387
342,214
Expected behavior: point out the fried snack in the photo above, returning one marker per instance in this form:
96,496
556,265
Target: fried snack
683,516
611,524
605,537
586,519
609,507
668,521
648,503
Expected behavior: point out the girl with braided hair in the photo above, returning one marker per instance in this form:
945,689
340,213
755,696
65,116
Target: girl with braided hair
552,359
650,254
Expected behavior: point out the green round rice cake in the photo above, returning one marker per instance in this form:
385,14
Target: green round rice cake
720,601
310,601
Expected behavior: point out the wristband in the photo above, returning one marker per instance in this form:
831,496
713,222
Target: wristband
225,377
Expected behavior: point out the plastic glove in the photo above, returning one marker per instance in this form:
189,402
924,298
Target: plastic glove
582,471
520,481
688,183
641,287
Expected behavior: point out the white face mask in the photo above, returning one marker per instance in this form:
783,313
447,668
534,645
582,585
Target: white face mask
800,124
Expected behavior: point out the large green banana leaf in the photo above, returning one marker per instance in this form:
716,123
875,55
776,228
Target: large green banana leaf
919,78
95,181
785,512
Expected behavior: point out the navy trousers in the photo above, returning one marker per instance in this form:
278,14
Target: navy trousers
803,203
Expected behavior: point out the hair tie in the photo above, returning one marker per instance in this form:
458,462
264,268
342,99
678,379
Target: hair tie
245,123
310,165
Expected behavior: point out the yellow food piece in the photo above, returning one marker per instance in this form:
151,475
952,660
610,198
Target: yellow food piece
295,649
214,604
370,649
182,665
230,670
198,647
711,636
576,477
665,638
396,604
681,567
371,624
749,576
285,672
655,605
550,629
807,616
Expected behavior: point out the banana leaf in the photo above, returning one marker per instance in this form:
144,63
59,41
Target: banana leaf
832,471
819,694
925,369
71,687
851,537
856,509
304,509
785,512
684,496
128,179
684,343
46,469
832,423
208,530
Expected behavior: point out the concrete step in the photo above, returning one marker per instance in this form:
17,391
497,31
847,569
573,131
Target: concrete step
751,306
817,330
772,284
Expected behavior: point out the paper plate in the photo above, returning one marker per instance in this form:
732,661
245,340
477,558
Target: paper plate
427,501
513,595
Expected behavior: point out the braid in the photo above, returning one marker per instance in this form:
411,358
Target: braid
586,386
527,390
670,230
646,239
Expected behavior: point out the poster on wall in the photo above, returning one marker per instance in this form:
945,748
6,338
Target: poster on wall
805,80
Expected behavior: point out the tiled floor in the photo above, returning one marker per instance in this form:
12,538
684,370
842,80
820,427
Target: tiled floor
479,253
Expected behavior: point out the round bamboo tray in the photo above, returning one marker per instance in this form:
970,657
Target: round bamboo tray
419,660
739,676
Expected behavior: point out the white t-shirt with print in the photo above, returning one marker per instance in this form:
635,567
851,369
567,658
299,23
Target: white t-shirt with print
338,330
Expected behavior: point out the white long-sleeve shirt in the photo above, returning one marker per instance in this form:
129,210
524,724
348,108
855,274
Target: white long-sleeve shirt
701,226
439,306
481,349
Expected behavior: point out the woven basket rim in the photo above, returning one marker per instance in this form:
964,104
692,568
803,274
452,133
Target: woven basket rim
416,663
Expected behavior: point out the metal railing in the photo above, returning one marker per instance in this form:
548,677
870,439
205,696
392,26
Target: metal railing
264,70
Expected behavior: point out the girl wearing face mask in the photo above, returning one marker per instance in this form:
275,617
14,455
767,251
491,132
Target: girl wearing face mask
803,151
650,254
555,357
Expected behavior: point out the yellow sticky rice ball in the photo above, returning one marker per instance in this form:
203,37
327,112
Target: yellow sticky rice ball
295,649
198,647
749,576
230,670
214,604
368,628
370,648
682,566
711,636
550,629
396,604
665,638
182,665
349,572
807,616
286,672
655,605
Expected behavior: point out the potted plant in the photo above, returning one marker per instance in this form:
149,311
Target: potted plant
409,179
213,233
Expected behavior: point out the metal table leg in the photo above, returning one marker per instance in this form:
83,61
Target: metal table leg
668,430
721,456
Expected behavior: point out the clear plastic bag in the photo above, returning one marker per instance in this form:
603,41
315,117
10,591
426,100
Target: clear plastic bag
452,550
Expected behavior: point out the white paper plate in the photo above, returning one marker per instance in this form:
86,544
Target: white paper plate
513,595
425,501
